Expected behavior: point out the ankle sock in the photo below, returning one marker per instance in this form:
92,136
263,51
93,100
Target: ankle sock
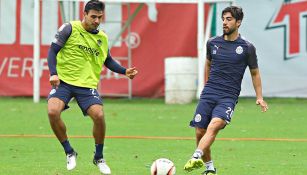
198,154
99,151
67,147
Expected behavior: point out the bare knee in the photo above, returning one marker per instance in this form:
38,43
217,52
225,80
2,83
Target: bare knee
55,107
54,114
98,117
215,125
213,129
96,113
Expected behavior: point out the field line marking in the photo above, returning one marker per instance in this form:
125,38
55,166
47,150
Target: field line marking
152,137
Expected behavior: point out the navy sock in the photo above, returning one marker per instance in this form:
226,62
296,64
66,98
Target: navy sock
66,145
98,152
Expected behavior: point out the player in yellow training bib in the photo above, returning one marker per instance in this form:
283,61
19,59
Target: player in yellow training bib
75,61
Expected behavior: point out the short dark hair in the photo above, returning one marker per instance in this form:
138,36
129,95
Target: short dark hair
94,5
235,11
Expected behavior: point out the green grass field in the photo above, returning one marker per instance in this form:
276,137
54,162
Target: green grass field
37,155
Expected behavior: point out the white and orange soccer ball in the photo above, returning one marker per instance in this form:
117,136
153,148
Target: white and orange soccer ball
163,166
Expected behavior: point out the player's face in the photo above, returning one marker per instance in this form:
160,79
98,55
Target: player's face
93,19
230,24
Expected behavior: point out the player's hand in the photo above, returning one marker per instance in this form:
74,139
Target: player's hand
263,105
131,72
54,81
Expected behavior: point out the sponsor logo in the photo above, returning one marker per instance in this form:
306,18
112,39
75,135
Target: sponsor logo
88,50
291,16
214,51
97,97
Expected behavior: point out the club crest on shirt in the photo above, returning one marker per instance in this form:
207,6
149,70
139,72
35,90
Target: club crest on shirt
239,50
197,118
99,42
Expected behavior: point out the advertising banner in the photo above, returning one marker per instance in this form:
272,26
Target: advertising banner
277,29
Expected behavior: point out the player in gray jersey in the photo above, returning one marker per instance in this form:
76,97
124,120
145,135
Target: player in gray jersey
227,58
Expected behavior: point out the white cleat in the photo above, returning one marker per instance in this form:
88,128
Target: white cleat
103,167
71,160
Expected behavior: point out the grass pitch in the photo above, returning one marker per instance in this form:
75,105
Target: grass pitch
272,143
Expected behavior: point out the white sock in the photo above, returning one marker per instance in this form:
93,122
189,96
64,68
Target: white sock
209,165
198,154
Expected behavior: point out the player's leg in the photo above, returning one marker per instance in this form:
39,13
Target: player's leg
199,133
221,117
55,107
99,128
207,140
198,158
57,102
200,121
91,104
204,140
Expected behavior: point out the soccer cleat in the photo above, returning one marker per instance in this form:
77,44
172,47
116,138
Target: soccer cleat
193,164
71,160
102,165
210,172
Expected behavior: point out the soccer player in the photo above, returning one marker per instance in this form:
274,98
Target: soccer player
75,59
227,58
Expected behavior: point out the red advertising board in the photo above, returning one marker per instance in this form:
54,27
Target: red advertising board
172,34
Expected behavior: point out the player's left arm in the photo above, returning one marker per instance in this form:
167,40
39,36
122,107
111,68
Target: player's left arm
255,74
111,64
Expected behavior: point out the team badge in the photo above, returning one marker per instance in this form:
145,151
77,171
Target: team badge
239,50
99,42
197,118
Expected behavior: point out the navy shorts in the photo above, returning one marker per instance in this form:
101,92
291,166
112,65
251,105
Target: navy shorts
85,97
211,105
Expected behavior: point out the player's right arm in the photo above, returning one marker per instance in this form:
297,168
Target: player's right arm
60,39
207,69
208,62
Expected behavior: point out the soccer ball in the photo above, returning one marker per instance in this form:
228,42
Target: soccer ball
163,166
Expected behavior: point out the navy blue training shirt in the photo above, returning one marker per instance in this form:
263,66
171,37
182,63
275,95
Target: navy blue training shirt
229,60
